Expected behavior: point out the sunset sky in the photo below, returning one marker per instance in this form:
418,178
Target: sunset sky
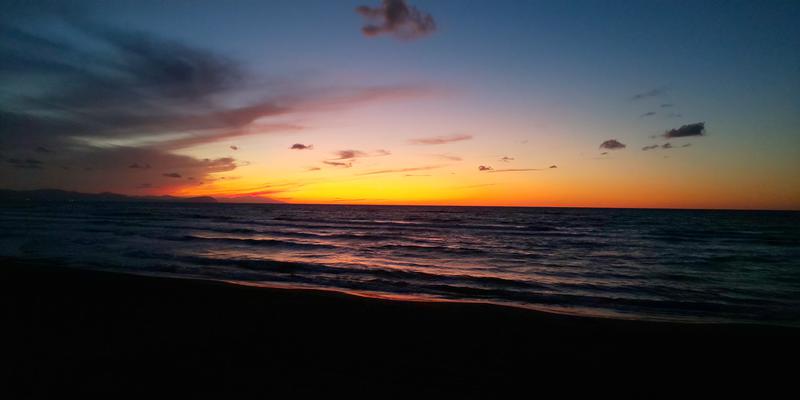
681,104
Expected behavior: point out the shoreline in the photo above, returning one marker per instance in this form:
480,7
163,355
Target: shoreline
75,330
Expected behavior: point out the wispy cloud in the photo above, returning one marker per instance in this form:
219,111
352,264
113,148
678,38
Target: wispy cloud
516,170
339,164
349,154
412,169
448,157
398,18
440,139
484,168
650,93
172,175
122,97
648,114
506,159
300,146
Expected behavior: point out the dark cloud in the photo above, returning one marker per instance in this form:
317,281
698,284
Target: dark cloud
398,18
650,93
696,129
666,146
603,153
612,144
687,145
300,146
651,147
441,139
172,175
484,168
667,105
553,166
674,115
234,148
314,169
648,114
506,159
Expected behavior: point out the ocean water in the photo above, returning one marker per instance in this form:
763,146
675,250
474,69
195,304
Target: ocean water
690,266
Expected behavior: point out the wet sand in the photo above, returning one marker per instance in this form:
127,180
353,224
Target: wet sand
69,330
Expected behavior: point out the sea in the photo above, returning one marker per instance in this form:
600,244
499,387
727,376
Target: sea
667,265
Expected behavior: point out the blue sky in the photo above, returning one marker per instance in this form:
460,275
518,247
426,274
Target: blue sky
561,76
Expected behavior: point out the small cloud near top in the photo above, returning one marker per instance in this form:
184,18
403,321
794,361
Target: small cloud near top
234,147
300,146
612,144
441,139
397,18
484,168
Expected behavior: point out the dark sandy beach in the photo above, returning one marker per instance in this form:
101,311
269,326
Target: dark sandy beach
69,330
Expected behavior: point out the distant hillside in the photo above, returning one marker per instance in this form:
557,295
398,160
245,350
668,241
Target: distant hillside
45,195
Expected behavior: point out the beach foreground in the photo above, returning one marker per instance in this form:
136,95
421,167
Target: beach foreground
70,330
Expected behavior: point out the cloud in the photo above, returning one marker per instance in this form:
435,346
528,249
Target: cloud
381,152
648,114
687,145
440,139
172,175
398,18
650,93
651,147
234,148
120,97
667,105
516,170
412,169
349,154
506,159
300,146
696,129
484,168
612,144
339,164
674,115
313,169
666,146
553,166
448,157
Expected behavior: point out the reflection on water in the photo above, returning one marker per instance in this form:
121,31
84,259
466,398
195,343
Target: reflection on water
680,265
